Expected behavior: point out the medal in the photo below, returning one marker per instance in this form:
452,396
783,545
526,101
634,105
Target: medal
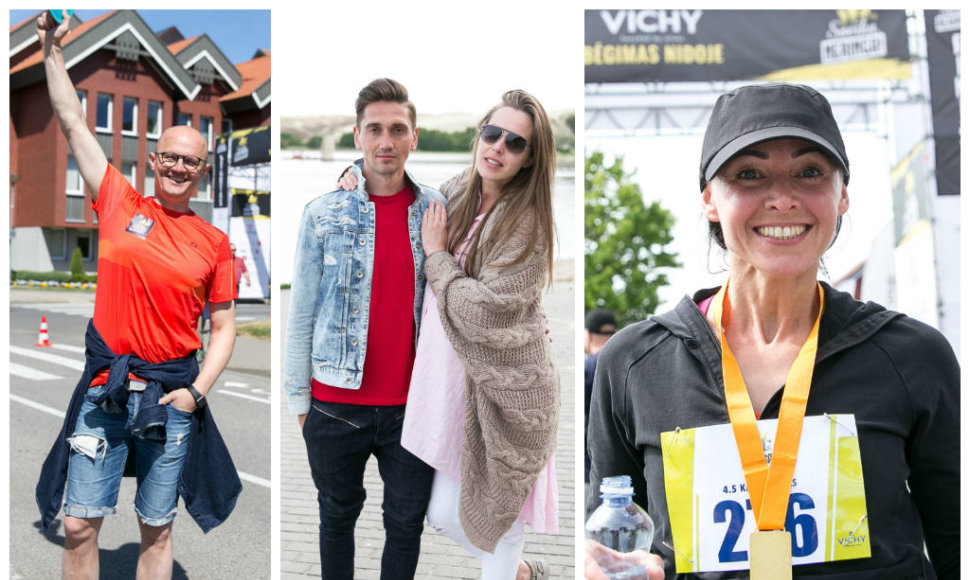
770,555
769,486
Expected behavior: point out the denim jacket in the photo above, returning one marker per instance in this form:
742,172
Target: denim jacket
209,484
326,335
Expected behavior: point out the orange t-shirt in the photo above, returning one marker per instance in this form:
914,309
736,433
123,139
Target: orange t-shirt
156,270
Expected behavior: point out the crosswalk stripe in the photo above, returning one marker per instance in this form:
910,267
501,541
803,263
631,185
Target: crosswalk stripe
69,348
29,373
47,357
37,406
254,479
244,396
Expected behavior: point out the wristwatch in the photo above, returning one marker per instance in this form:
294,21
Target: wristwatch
200,401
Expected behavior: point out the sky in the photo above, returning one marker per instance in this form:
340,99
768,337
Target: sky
222,26
452,57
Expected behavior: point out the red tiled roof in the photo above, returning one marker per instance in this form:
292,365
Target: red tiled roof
254,73
38,56
176,47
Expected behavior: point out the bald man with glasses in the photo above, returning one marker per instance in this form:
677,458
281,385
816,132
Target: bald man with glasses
159,265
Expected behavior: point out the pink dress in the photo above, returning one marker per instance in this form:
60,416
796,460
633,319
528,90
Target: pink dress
435,417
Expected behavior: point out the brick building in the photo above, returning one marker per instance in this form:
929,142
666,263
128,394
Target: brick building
133,83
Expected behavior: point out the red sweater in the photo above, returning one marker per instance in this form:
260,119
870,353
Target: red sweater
390,329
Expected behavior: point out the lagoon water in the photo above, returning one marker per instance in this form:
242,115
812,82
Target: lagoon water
301,176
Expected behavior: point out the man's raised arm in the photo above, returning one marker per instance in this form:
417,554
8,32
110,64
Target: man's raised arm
90,158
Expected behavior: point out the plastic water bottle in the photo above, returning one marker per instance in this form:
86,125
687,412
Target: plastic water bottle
621,525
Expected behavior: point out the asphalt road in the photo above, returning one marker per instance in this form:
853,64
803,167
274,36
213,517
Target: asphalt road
41,382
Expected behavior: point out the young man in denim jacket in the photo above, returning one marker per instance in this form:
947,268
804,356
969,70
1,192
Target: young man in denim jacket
355,307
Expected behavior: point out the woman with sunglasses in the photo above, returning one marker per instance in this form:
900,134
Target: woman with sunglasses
483,405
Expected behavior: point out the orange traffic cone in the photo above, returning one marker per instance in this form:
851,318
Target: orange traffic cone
43,339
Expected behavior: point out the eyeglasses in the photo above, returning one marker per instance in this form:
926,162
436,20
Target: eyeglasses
514,142
190,162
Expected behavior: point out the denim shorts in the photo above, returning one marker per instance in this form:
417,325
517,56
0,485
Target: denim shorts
99,449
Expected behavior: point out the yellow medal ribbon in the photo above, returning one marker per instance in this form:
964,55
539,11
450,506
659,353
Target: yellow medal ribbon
769,486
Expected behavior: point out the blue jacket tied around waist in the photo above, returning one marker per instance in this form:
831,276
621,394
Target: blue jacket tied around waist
208,484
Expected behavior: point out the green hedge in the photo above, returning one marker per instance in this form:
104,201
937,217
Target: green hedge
60,277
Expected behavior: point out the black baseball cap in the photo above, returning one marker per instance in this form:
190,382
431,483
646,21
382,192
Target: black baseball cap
599,318
756,113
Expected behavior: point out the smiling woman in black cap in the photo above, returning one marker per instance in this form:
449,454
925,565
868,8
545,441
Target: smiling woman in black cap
775,427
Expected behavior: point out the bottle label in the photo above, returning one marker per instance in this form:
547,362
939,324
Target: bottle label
710,511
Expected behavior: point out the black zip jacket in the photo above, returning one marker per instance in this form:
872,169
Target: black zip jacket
898,376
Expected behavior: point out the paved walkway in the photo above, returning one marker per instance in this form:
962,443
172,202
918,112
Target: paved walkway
440,557
26,295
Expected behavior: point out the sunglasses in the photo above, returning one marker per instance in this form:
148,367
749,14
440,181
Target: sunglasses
514,142
190,162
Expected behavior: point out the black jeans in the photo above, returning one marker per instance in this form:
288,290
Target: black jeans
340,439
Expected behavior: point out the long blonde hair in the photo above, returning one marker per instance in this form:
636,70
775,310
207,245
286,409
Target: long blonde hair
528,193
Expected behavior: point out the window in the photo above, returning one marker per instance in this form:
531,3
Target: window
84,242
74,185
103,122
226,125
83,97
205,127
129,116
128,170
149,187
57,243
154,119
184,119
74,188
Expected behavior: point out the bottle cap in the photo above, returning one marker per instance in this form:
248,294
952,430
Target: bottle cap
617,485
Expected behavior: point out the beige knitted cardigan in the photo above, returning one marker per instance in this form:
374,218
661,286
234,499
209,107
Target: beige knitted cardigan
497,326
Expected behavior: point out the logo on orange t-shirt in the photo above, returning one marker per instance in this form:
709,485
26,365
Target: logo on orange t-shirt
140,226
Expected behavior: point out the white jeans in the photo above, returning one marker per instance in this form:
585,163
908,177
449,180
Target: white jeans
443,517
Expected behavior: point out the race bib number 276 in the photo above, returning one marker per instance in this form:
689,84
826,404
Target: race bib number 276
710,511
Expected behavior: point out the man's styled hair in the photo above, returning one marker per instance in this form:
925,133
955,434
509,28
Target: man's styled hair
385,90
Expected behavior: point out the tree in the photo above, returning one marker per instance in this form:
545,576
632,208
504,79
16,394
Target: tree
290,141
625,246
436,140
77,266
346,141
